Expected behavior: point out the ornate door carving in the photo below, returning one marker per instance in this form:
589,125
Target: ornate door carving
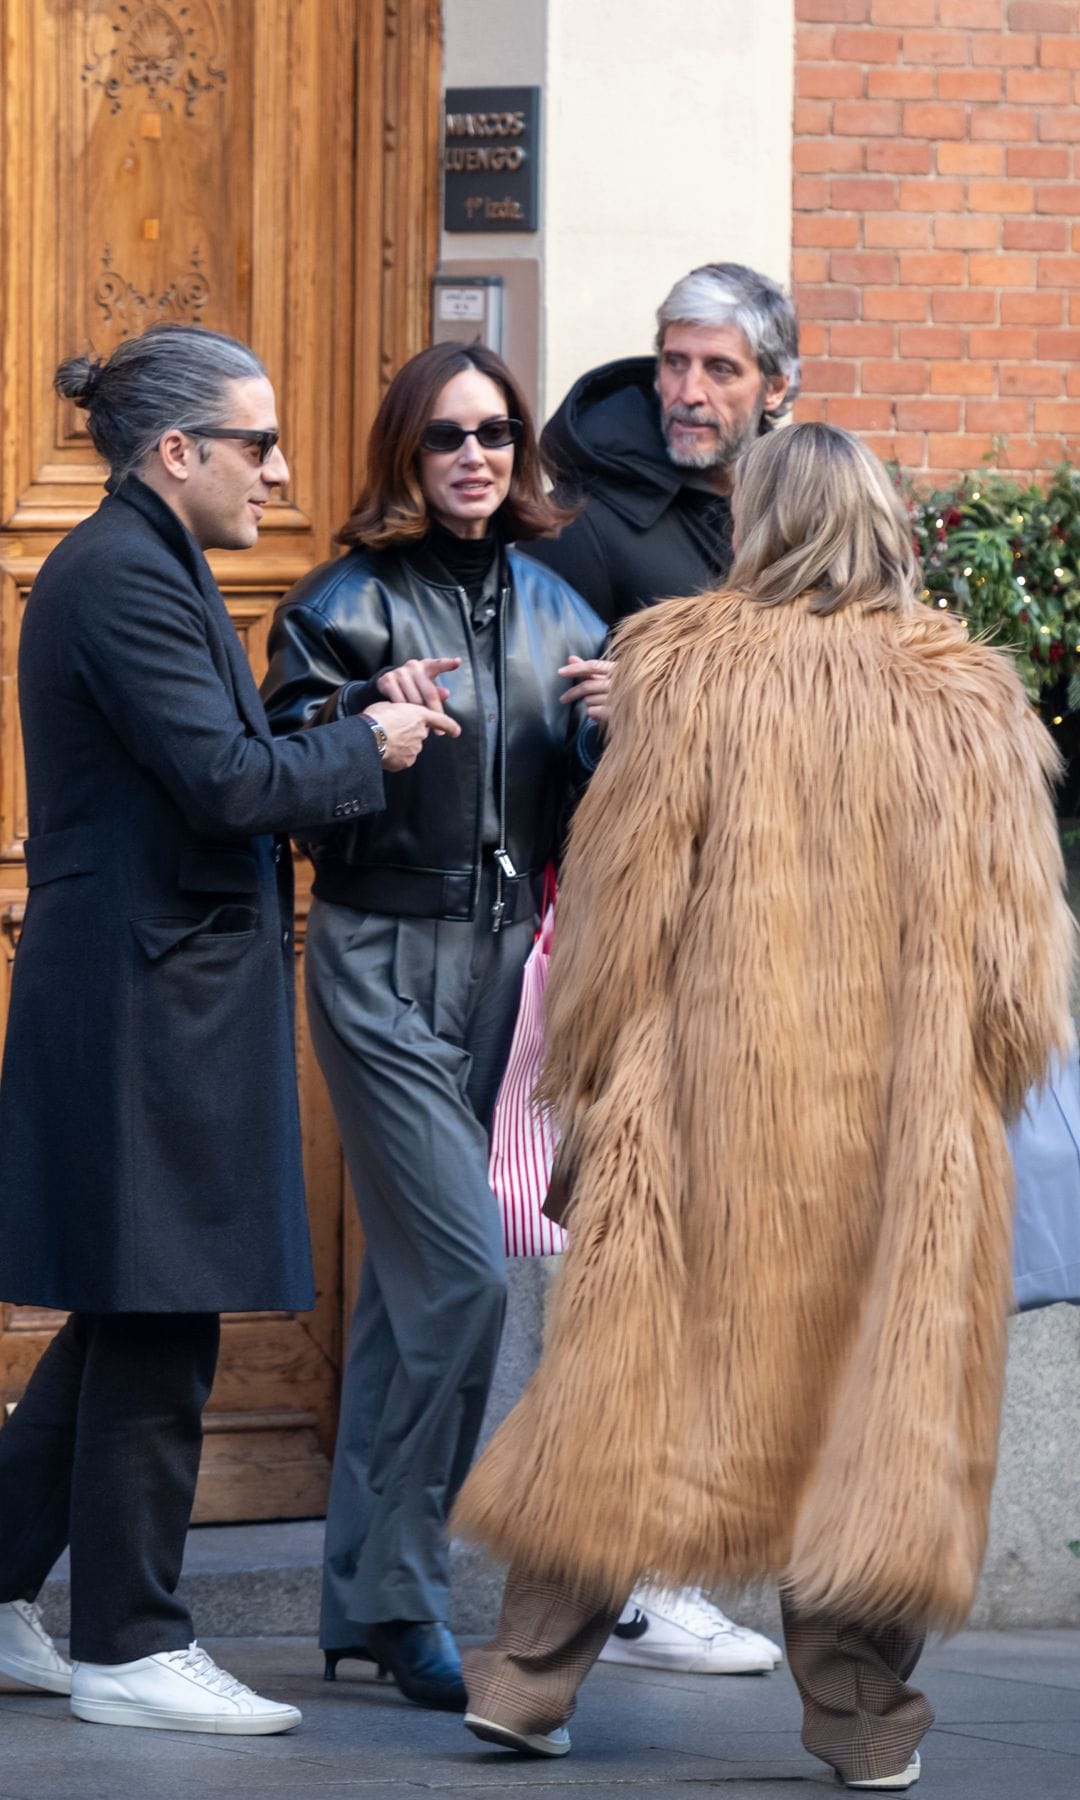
267,169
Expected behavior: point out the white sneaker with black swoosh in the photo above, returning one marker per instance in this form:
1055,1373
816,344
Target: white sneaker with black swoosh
685,1632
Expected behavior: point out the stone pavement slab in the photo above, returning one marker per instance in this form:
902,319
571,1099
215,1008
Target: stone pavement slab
1008,1728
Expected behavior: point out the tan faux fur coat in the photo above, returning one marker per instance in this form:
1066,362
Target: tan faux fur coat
811,944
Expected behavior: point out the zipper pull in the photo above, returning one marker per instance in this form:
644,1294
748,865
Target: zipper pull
497,912
503,859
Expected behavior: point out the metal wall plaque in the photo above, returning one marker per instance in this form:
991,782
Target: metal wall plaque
491,159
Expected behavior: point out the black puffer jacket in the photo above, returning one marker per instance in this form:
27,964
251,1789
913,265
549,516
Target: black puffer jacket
643,534
345,623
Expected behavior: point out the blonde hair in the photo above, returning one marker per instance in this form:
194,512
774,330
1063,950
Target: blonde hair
816,513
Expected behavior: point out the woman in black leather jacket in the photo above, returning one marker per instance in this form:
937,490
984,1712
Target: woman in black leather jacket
421,921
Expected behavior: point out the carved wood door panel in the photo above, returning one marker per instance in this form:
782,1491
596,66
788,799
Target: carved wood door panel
267,169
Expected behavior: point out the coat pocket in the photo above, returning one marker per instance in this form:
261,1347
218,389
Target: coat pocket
220,936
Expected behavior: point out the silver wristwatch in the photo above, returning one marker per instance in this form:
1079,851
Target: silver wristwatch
381,739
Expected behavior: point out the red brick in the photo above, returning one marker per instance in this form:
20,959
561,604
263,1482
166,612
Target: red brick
969,84
826,376
894,446
867,46
1031,309
862,266
871,194
1000,196
997,415
953,232
893,378
898,159
984,15
1072,381
1000,51
1059,271
812,118
1060,52
903,12
964,308
1057,415
1059,125
1028,378
811,410
1009,123
809,265
1041,87
928,415
809,193
1034,234
828,81
813,338
1064,198
827,302
1050,165
1042,15
930,340
862,340
1059,346
902,304
933,268
860,414
1001,271
998,341
826,156
930,119
867,118
1075,244
813,43
896,231
935,47
961,378
1074,307
900,84
970,159
952,453
932,196
832,12
825,231
1032,453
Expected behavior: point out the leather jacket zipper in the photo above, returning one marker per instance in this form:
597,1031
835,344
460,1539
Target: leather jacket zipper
478,847
503,863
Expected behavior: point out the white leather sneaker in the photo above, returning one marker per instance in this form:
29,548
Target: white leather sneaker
897,1783
177,1690
685,1632
28,1652
532,1743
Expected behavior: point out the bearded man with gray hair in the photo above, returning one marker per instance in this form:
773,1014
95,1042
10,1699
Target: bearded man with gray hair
649,445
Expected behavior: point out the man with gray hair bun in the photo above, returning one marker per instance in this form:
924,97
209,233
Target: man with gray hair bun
150,1167
649,445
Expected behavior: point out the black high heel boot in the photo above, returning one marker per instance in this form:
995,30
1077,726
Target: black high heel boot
359,1653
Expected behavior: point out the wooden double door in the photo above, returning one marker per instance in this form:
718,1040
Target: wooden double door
268,169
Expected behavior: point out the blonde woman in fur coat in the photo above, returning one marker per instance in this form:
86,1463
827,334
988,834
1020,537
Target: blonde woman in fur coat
812,950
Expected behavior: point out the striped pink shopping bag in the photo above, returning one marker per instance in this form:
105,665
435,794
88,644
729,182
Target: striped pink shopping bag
523,1137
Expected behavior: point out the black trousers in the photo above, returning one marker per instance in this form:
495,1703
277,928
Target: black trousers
102,1453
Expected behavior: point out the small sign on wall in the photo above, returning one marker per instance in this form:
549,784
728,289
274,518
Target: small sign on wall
491,159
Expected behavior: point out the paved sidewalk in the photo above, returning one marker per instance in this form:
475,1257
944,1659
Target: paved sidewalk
1008,1728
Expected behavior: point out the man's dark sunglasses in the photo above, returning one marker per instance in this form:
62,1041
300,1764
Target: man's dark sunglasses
263,441
442,435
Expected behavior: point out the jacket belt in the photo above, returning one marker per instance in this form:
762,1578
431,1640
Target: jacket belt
417,893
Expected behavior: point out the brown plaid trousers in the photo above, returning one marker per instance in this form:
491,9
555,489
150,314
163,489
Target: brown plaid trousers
859,1714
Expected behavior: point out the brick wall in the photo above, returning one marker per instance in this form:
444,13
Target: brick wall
937,226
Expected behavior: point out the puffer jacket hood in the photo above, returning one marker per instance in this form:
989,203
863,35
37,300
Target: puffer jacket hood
605,439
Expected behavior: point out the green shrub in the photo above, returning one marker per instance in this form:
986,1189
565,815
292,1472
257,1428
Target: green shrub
1007,558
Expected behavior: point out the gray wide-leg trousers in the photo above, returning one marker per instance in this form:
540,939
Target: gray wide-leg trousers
411,1020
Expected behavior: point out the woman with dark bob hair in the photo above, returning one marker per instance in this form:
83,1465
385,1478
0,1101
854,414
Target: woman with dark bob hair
422,919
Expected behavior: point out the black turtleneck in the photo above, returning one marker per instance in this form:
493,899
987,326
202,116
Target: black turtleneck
467,561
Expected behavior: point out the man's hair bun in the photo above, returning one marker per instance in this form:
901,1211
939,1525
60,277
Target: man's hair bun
78,379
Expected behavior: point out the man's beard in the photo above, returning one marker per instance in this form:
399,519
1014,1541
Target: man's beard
727,447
